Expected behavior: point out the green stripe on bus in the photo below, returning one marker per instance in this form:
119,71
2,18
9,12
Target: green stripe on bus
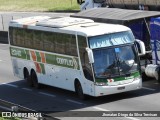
42,68
27,55
69,62
133,75
19,53
38,56
50,59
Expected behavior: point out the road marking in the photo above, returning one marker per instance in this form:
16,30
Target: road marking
156,83
73,101
102,109
28,89
148,88
132,118
43,93
12,85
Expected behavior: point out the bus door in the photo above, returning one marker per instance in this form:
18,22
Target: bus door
87,80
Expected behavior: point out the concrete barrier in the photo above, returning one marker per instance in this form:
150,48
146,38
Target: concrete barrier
4,37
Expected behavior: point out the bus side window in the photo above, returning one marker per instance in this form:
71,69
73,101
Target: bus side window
37,40
68,47
28,38
49,41
71,47
60,43
14,36
17,37
86,66
20,40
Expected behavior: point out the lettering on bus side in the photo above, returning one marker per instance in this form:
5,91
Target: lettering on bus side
67,62
64,61
16,52
19,53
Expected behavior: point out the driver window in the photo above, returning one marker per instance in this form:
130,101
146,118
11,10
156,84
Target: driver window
86,66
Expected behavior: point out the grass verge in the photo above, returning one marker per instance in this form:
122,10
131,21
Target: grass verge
38,5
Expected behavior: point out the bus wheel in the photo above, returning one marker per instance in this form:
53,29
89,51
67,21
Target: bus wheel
27,78
79,90
35,80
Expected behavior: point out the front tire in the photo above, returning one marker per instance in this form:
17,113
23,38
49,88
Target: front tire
79,90
35,80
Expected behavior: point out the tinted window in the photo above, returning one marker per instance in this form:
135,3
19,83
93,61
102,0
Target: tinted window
28,37
48,41
37,40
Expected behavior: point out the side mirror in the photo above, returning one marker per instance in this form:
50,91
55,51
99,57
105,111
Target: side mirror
90,55
141,47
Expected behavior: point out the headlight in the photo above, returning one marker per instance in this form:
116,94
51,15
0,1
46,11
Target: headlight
101,83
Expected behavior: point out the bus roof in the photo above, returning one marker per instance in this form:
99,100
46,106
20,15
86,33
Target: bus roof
70,25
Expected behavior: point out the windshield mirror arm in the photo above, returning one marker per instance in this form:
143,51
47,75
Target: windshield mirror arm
90,55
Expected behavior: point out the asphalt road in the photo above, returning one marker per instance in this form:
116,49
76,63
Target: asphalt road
50,99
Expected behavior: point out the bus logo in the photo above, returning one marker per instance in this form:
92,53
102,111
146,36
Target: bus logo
16,52
67,62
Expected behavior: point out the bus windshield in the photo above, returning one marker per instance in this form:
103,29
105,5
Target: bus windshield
114,61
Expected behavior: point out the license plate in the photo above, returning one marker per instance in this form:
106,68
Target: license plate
120,88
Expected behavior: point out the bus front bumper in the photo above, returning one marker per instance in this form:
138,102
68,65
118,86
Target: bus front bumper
107,90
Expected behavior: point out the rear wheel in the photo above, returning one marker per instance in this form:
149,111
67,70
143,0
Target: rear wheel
35,80
27,78
79,90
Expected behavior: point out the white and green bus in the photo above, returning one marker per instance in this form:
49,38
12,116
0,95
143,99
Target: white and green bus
75,54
